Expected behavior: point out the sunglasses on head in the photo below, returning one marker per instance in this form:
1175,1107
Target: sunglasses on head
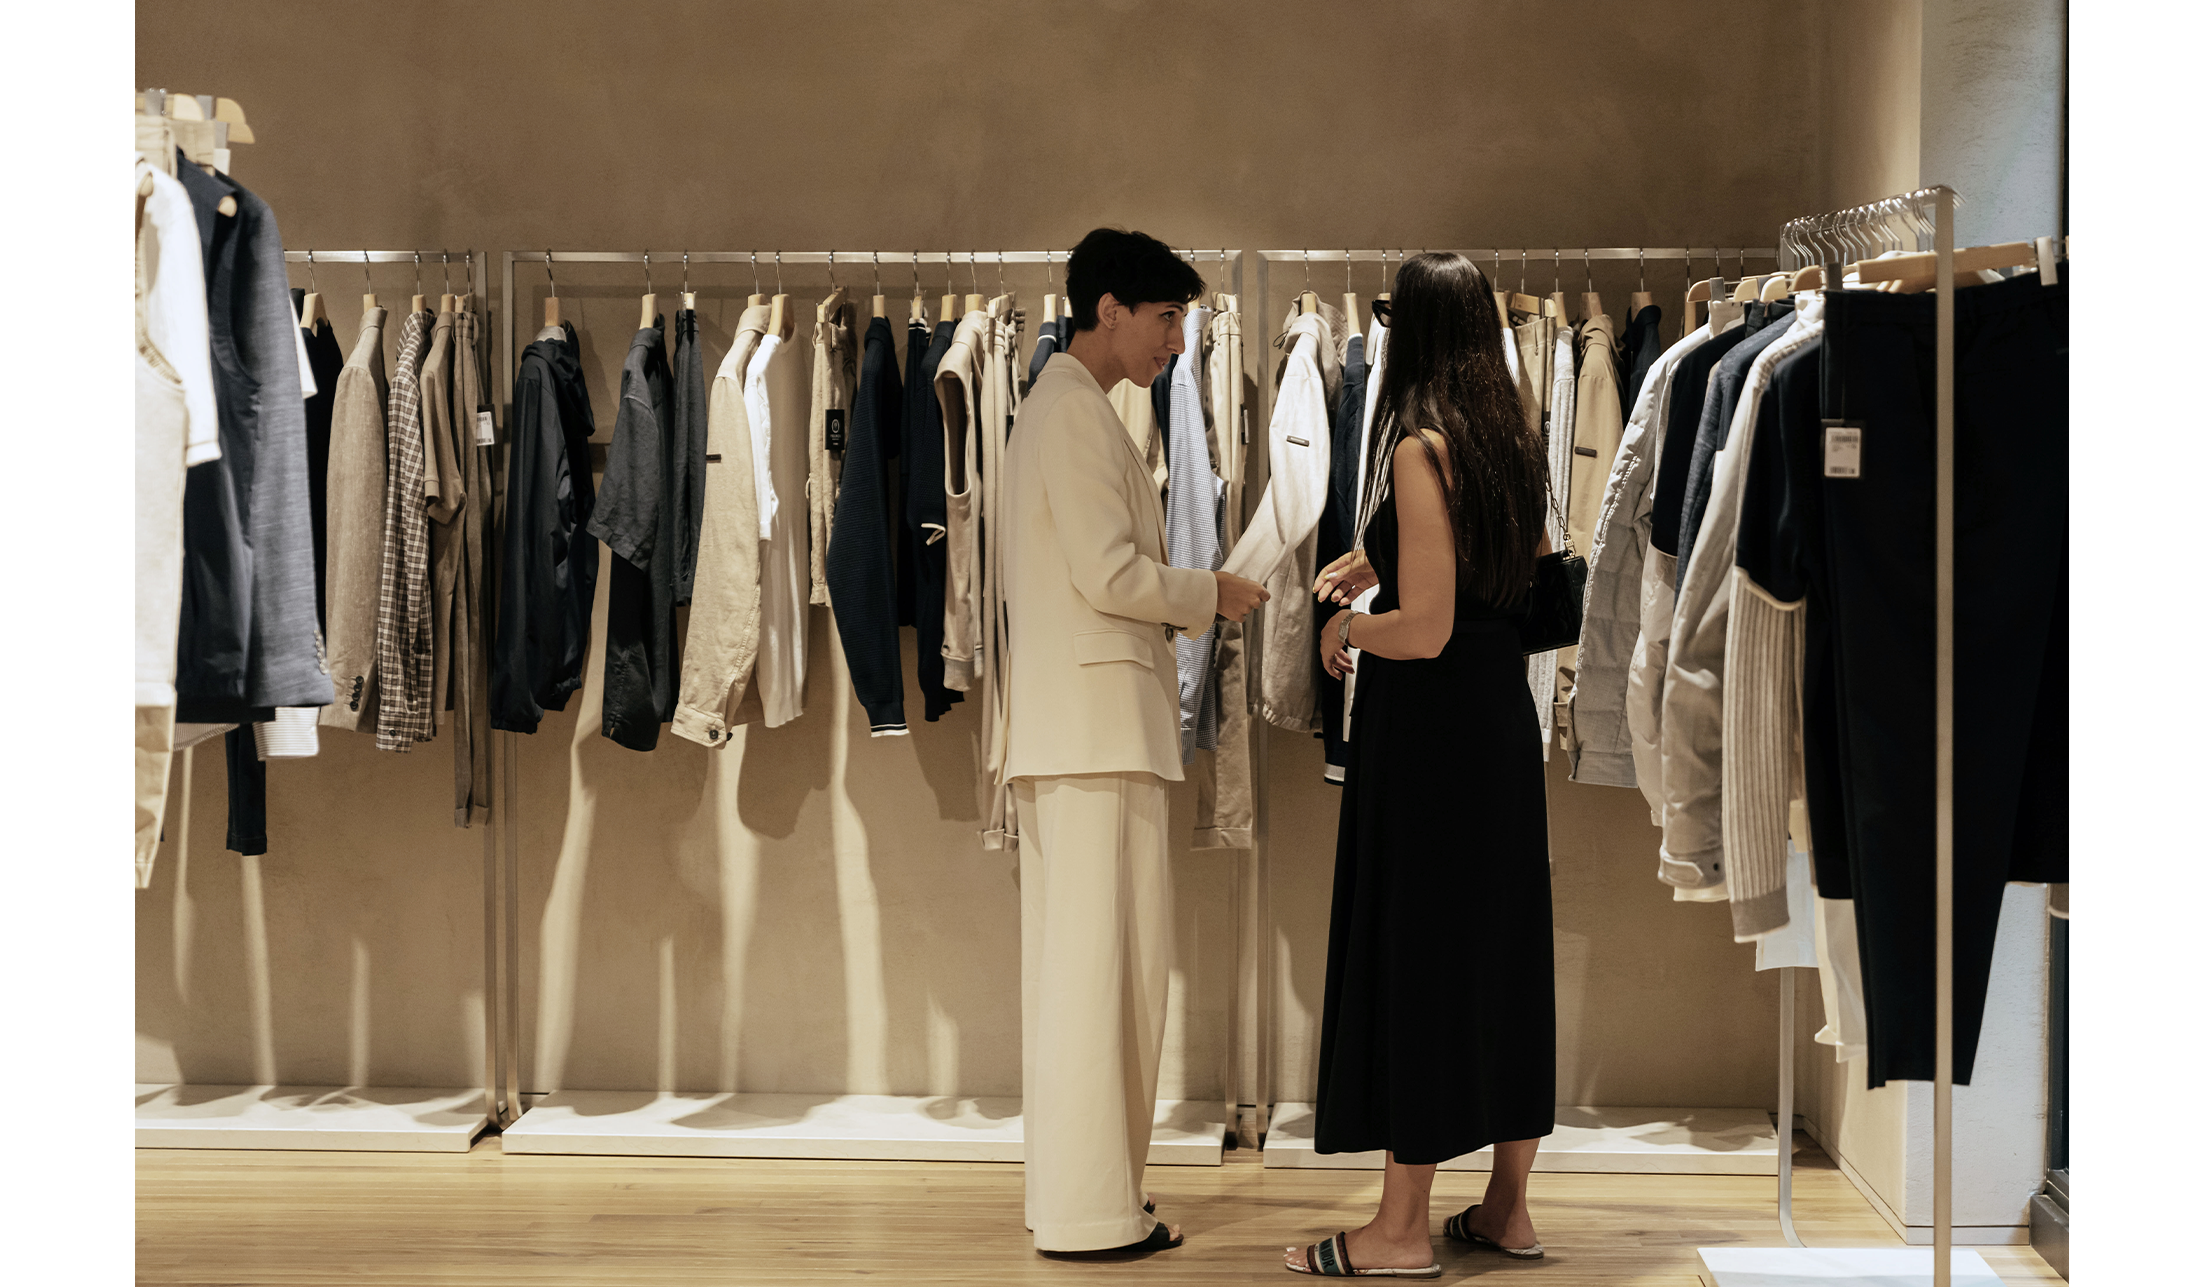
1383,310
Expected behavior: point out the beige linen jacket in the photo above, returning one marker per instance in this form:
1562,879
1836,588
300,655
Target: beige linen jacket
1088,587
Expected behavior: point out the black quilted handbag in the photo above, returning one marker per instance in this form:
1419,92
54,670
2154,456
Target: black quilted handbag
1553,617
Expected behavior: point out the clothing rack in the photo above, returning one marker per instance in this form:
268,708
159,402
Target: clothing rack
500,1061
1901,1265
500,1039
1242,1059
1259,331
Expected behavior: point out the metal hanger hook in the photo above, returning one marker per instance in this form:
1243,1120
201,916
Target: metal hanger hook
1307,270
1588,285
877,289
648,288
368,273
446,271
546,271
1555,270
1048,257
1639,268
778,287
1525,270
831,284
1349,272
469,272
1000,286
311,282
684,272
917,283
416,272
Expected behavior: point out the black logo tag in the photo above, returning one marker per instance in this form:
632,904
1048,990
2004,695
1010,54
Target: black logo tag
837,430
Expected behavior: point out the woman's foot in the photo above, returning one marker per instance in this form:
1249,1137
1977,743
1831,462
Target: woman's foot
1510,1228
1371,1248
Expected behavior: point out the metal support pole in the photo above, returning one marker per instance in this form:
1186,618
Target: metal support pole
1945,727
1788,1107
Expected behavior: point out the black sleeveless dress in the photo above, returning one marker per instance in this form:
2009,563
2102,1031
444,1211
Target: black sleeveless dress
1438,1027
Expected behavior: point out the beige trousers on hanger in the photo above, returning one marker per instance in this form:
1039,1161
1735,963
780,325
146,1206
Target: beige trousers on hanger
1094,865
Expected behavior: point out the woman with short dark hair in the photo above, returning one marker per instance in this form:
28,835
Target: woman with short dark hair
1438,1030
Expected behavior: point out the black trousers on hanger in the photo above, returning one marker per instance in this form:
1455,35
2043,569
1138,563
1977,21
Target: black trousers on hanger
248,792
2011,739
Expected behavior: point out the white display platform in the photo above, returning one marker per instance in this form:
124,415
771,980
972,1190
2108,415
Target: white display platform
1830,1266
343,1118
1664,1141
841,1127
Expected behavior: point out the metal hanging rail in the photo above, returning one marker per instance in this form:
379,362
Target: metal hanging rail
500,1052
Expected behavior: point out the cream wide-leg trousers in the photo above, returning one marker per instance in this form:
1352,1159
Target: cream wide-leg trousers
1094,864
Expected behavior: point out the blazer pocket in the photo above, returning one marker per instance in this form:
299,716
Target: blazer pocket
1092,647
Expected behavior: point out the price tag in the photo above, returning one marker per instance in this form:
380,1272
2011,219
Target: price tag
1841,448
485,429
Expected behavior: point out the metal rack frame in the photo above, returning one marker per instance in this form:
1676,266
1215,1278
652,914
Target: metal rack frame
499,1054
1244,1058
1254,1113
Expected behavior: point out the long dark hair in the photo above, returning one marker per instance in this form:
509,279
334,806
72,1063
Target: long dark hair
1445,370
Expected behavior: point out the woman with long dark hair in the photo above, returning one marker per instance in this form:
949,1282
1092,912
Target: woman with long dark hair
1438,1025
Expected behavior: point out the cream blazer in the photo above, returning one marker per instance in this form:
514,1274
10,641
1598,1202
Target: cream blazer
1089,591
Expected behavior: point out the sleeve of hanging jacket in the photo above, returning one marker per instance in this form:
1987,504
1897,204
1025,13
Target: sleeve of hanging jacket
1611,604
860,557
1299,464
528,621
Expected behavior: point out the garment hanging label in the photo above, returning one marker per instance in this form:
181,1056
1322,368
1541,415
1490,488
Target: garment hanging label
837,429
485,429
1841,448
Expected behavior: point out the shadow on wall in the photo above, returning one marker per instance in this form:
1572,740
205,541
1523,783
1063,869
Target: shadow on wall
806,910
281,967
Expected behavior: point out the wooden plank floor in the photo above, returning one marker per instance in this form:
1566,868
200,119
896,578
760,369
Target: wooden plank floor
482,1218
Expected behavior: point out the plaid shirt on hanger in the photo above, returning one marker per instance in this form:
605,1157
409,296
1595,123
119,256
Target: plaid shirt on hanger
403,646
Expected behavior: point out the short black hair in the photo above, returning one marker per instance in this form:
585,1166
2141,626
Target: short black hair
1132,266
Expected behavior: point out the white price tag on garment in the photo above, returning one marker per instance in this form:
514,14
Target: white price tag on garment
1840,451
485,429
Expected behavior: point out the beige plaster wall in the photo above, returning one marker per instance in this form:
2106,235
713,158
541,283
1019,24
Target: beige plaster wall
808,910
1872,59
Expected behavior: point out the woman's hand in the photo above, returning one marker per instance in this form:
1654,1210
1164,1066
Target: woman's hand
1335,661
1345,579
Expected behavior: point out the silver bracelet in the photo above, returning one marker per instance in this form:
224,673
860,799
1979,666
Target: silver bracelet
1345,626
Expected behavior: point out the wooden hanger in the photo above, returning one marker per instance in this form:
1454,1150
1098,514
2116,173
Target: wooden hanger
756,291
1047,309
879,292
778,322
649,297
310,311
1555,305
687,296
1700,293
948,308
1592,305
831,304
1747,291
1774,288
1529,304
1808,277
1971,259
